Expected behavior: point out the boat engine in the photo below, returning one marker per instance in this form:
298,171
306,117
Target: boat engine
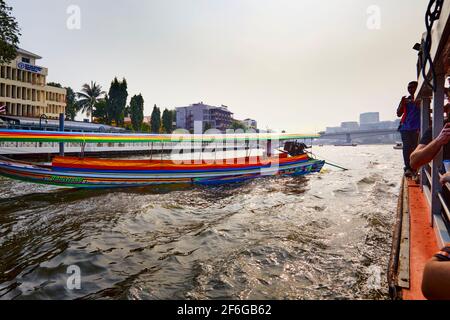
295,148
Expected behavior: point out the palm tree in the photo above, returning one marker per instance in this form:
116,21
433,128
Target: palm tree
88,97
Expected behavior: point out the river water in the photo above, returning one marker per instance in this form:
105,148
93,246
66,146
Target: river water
325,236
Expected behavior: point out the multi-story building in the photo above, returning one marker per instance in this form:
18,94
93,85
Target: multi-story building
146,120
350,126
251,124
369,122
369,118
330,130
24,90
210,117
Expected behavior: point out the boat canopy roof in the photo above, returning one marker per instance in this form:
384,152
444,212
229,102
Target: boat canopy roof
83,137
24,123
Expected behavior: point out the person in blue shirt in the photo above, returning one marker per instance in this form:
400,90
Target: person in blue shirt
409,110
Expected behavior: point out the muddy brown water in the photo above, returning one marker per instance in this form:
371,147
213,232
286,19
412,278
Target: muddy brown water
324,236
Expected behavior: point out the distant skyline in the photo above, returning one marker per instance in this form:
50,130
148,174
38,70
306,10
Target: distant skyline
358,119
295,65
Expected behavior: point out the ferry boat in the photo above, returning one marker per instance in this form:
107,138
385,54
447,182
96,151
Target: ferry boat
398,146
423,215
346,144
81,172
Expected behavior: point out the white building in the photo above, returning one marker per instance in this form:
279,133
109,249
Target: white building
250,124
24,90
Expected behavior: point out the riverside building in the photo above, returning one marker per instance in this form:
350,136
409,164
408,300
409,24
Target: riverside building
251,124
210,117
24,90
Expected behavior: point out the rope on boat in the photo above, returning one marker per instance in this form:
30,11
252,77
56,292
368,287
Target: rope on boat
329,163
326,162
336,166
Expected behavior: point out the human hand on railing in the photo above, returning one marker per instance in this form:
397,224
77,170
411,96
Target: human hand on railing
445,178
444,136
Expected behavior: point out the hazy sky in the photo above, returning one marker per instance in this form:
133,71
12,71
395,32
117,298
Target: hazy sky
298,65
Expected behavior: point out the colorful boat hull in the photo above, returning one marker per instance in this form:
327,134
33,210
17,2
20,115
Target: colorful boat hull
89,173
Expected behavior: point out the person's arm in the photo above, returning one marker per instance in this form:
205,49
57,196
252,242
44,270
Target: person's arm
425,153
401,108
436,280
418,103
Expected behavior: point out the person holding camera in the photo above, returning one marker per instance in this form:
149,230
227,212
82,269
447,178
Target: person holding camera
409,110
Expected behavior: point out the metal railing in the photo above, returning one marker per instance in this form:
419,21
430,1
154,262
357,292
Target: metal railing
432,72
436,194
440,221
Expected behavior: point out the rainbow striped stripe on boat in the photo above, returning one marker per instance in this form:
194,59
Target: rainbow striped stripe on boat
81,137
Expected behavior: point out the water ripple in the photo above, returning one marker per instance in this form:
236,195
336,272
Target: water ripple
325,236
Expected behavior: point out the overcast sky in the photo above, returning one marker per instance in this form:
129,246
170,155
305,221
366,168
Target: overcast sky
298,65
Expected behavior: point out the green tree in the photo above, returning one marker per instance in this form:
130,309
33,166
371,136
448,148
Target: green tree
167,121
71,104
236,125
112,100
127,111
88,97
155,120
174,115
100,111
123,101
54,84
117,101
207,127
9,34
145,127
137,112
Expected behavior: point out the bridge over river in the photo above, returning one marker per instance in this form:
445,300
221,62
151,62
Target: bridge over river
349,135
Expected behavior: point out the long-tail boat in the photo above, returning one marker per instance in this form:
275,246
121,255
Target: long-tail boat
82,172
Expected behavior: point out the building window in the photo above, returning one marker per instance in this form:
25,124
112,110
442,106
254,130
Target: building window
26,60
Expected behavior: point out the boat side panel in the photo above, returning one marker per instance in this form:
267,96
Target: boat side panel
63,179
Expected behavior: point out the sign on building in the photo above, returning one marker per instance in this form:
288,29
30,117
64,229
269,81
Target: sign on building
29,67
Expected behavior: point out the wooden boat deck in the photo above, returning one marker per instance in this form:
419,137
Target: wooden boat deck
423,244
417,242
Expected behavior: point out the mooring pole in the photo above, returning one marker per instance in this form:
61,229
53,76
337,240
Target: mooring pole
61,129
438,124
424,125
269,148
